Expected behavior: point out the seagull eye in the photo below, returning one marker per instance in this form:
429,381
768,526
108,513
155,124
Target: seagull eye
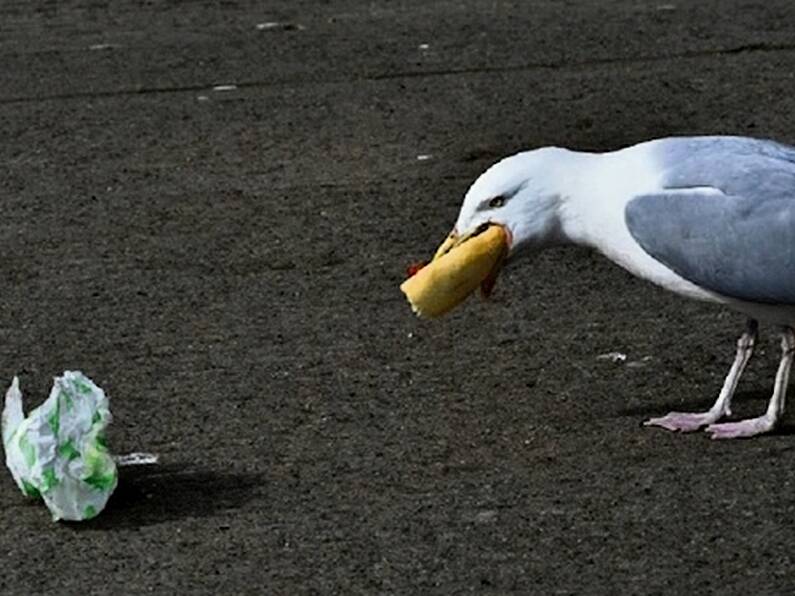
497,202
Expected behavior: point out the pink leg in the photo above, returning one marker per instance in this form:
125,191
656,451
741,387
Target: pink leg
775,408
689,422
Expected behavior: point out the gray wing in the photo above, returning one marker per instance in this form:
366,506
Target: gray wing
755,169
736,246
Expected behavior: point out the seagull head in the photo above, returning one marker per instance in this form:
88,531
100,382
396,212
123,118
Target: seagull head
520,193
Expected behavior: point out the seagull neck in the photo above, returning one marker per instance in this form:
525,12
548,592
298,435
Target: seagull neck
573,173
598,187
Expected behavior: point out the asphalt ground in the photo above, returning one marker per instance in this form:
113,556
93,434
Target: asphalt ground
225,263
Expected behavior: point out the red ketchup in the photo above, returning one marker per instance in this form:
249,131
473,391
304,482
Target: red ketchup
414,268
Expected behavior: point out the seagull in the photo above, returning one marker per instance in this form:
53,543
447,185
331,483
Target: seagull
711,218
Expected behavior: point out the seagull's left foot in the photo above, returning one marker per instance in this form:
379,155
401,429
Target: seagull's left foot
683,421
688,423
775,408
743,429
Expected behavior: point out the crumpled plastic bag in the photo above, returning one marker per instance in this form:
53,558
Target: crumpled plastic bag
58,452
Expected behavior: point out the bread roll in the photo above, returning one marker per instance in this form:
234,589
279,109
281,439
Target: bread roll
444,283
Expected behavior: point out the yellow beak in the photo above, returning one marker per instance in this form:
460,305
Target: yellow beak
453,240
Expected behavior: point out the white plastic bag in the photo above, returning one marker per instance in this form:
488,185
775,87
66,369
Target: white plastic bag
58,452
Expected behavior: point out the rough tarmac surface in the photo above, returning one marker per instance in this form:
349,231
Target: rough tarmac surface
225,263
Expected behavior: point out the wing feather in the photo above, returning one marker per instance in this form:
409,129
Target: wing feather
736,246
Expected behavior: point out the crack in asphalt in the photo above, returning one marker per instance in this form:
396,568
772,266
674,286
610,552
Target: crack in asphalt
741,49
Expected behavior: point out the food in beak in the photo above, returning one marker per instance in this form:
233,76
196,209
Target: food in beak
458,268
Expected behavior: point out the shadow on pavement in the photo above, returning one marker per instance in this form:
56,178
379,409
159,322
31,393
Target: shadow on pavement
154,494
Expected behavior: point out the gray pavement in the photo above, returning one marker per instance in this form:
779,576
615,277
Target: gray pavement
225,264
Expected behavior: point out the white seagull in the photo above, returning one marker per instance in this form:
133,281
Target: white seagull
710,218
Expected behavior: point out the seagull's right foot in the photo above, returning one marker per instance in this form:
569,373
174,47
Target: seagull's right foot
684,422
743,429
